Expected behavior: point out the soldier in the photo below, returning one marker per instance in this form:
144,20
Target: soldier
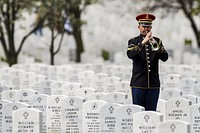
145,51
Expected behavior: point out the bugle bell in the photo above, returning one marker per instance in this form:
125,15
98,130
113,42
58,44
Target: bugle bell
154,44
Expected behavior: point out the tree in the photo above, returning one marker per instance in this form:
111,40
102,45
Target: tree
74,9
51,14
11,12
190,8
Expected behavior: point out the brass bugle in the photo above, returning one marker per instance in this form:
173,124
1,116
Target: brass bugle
154,44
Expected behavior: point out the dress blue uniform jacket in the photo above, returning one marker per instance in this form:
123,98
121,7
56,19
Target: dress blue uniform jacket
145,63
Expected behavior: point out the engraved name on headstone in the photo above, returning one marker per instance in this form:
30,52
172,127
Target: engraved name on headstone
195,118
146,121
71,114
53,113
7,115
124,119
91,114
178,108
27,120
108,117
39,102
2,103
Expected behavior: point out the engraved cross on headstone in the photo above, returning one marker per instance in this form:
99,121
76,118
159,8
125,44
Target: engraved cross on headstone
25,115
39,99
71,102
173,127
177,103
57,99
97,97
111,109
146,117
128,111
170,93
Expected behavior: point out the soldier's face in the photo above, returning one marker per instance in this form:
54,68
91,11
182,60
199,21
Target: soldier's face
144,29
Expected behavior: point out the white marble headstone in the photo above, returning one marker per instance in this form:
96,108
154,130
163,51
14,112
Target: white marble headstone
14,78
196,90
71,114
196,72
183,69
162,107
2,103
195,118
35,81
39,102
24,95
97,81
62,73
127,73
109,84
116,97
107,69
178,109
25,80
4,88
85,77
146,121
73,74
45,87
56,87
52,73
192,98
124,119
98,96
124,86
172,81
118,71
128,101
85,92
7,115
5,75
27,120
91,114
108,117
8,95
53,113
174,126
69,88
170,93
188,85
97,67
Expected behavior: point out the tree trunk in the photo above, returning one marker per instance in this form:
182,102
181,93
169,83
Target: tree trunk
51,58
189,16
11,59
198,39
52,47
79,43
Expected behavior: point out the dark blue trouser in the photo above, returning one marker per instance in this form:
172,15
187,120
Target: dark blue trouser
148,98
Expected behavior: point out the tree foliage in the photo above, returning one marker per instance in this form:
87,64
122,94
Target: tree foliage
52,16
74,10
11,12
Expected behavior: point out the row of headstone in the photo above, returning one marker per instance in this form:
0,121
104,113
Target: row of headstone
25,95
62,72
174,93
62,113
109,127
187,85
19,79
